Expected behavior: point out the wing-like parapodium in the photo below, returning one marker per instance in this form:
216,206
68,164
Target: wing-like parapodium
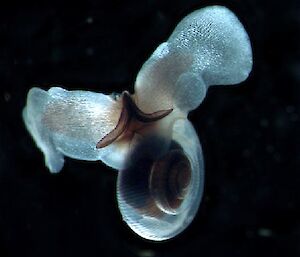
71,123
208,47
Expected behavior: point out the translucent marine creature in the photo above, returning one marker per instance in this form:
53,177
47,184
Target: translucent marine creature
147,135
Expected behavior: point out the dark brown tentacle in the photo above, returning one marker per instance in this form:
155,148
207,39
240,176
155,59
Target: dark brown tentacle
117,131
140,115
130,110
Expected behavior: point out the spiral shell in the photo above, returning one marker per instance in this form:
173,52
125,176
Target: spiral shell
160,190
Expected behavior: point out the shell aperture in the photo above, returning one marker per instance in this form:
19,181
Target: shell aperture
147,136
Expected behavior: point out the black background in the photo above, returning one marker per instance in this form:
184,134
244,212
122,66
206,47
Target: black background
249,133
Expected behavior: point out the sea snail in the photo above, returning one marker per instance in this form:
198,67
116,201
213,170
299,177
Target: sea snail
146,135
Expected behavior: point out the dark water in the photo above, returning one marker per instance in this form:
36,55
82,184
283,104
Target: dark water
249,133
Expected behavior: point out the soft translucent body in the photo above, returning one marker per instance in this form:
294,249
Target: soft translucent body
71,123
208,47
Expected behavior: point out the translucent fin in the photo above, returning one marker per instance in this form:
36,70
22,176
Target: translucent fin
208,47
71,123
